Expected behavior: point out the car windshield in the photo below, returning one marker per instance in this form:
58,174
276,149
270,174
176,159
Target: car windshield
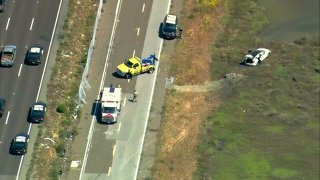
109,109
128,63
169,28
255,53
33,55
19,145
36,113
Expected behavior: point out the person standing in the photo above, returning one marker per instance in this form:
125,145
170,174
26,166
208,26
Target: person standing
135,96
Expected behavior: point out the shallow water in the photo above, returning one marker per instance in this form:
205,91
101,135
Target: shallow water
290,19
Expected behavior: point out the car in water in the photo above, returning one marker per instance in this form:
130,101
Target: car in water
34,55
19,144
2,106
37,112
255,57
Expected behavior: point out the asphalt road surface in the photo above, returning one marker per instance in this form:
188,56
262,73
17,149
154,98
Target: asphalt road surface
22,24
115,150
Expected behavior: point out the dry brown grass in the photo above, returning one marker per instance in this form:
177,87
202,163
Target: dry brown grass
64,80
185,112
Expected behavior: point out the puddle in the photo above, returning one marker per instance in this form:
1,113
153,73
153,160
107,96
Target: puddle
290,19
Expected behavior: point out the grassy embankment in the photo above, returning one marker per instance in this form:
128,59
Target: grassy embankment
48,157
266,126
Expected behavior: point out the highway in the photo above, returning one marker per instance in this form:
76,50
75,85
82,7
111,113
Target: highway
22,24
114,150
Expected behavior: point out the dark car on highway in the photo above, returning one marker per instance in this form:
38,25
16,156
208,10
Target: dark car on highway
34,54
2,105
19,144
2,5
37,112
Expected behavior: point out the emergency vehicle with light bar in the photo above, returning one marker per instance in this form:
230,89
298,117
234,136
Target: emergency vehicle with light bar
110,104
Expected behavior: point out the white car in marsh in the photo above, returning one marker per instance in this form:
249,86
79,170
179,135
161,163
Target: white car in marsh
252,58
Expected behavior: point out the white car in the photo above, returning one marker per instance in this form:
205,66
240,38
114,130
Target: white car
256,56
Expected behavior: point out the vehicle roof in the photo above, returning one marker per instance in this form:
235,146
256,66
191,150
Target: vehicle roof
171,19
35,50
2,101
111,94
38,107
20,138
9,48
135,60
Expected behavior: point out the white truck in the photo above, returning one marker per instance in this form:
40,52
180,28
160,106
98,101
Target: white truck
110,104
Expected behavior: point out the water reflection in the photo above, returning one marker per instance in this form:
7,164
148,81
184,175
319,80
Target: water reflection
291,19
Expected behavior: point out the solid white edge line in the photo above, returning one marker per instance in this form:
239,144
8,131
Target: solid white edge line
8,22
89,138
42,76
7,117
134,53
31,24
20,70
150,102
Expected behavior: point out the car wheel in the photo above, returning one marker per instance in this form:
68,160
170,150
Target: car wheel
128,76
151,70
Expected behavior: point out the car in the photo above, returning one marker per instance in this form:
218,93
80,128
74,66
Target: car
34,54
19,144
255,57
169,28
2,106
7,55
2,5
37,112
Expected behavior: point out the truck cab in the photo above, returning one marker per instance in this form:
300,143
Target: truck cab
135,66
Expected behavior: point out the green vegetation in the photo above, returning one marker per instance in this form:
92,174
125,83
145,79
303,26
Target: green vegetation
268,127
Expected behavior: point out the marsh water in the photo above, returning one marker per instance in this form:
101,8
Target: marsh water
290,19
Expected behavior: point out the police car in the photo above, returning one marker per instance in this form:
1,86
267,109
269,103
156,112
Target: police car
169,28
19,144
34,55
37,112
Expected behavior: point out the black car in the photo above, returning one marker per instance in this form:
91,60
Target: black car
2,105
2,5
169,28
34,54
37,112
19,144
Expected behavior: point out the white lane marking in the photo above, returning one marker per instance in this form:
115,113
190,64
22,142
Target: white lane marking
31,24
20,70
109,171
124,101
128,80
114,149
8,22
90,133
138,31
7,119
149,105
143,6
42,76
119,127
134,53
